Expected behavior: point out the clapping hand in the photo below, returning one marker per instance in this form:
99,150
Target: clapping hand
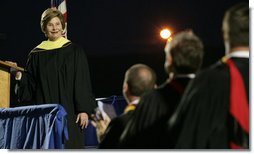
100,123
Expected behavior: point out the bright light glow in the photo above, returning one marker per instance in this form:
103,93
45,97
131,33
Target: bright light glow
165,33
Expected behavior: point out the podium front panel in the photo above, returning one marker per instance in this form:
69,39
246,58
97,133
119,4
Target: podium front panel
4,87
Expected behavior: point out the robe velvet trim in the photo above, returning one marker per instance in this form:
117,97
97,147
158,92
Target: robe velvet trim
239,108
50,45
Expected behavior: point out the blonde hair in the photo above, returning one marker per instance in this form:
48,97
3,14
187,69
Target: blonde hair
48,14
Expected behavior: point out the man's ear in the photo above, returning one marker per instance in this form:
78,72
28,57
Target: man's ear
169,60
125,88
168,63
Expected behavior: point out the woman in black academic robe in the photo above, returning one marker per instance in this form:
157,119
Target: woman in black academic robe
57,72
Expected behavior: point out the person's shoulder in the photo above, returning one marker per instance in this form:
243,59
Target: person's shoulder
217,70
173,86
77,46
74,44
151,93
214,76
35,51
152,96
78,49
71,45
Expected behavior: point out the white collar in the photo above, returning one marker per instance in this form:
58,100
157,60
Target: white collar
134,102
172,76
191,76
239,54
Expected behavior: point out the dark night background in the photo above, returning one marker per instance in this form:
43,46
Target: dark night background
115,33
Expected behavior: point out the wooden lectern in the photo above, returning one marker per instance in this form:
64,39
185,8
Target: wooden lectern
5,83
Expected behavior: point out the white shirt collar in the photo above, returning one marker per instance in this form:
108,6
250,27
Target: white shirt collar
134,102
172,75
191,76
239,54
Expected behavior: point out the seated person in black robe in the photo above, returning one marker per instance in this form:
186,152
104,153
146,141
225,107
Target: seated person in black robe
214,111
146,128
138,79
57,72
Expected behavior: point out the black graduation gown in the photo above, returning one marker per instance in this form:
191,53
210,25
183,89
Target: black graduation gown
202,119
146,128
59,76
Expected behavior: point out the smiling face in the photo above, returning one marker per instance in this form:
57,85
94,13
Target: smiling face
54,29
52,23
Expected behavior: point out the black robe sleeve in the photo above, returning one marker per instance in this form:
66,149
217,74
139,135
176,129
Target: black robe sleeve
26,86
83,96
200,120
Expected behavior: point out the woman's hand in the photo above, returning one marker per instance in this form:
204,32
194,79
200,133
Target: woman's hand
82,118
13,71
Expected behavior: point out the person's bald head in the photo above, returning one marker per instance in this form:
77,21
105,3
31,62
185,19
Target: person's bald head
139,78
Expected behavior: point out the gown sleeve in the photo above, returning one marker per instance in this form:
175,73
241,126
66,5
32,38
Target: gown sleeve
26,86
202,113
83,96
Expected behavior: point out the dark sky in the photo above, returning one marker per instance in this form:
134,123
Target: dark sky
115,33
